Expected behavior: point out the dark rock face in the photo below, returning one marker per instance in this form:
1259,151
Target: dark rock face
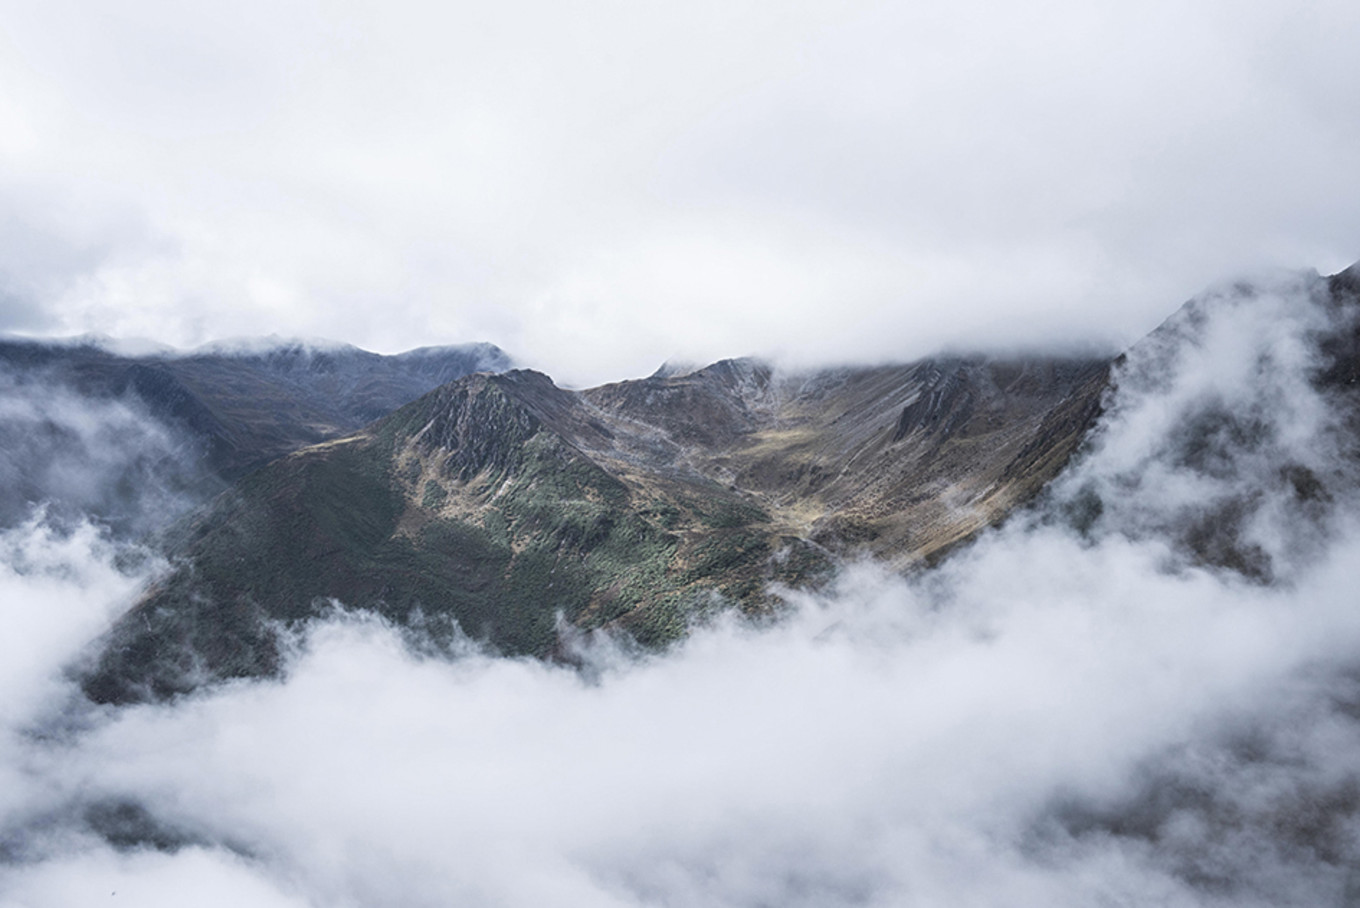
943,406
1341,350
710,407
477,427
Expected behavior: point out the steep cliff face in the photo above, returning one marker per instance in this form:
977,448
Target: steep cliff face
906,462
506,504
710,408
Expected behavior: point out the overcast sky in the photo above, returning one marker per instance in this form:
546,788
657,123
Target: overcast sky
598,186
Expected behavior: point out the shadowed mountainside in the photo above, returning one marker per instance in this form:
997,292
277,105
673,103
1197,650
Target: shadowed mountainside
248,406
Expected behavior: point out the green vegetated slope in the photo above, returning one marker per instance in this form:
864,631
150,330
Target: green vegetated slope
507,504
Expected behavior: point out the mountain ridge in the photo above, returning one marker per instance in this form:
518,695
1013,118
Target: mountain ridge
505,506
504,503
247,407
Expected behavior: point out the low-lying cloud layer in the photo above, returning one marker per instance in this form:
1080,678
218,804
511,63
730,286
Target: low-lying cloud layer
1091,705
108,458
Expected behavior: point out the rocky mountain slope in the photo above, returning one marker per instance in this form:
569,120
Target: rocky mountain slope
135,440
508,504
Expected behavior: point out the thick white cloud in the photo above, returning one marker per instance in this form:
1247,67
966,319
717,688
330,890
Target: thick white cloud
1051,717
600,186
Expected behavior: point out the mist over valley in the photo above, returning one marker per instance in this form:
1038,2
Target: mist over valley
968,630
704,455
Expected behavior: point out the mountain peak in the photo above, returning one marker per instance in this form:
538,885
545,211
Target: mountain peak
1346,283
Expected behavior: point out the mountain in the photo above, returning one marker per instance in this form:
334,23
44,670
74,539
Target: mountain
135,439
507,507
507,504
248,403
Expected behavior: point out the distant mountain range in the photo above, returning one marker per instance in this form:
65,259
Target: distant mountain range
509,507
248,402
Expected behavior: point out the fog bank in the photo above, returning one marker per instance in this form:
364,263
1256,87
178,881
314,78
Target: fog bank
1143,691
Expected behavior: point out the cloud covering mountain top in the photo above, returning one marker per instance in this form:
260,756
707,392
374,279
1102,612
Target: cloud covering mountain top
601,187
1081,708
